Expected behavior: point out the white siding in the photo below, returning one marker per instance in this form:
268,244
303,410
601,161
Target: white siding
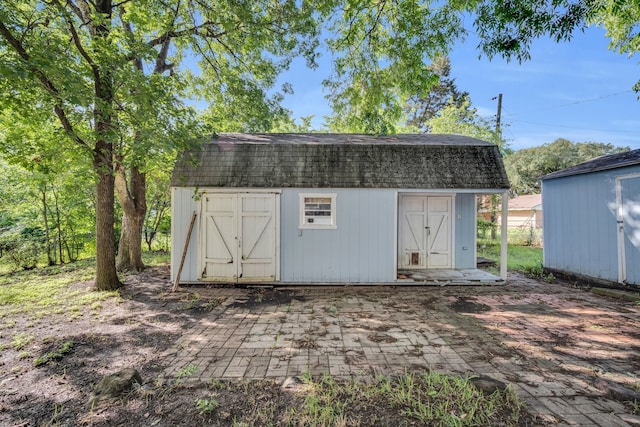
580,230
182,206
465,231
360,249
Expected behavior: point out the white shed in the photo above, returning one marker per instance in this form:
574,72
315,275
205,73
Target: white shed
332,208
592,220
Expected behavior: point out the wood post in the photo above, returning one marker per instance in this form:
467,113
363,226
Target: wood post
184,251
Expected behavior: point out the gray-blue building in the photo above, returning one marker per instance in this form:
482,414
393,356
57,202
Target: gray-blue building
332,208
592,219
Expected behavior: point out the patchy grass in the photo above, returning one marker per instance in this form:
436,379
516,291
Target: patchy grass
427,398
46,291
55,355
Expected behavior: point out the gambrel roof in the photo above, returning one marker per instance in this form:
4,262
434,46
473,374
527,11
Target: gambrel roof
321,160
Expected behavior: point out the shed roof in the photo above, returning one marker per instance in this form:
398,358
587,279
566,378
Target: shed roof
342,161
611,161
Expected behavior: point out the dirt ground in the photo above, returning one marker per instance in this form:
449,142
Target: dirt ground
137,330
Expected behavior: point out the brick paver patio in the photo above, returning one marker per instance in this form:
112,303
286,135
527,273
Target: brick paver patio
551,342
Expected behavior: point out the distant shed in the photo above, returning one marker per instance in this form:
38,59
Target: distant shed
330,208
592,219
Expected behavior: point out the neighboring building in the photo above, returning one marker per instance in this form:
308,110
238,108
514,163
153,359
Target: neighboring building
592,219
330,208
524,212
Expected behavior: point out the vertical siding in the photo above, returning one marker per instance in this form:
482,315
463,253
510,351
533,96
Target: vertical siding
182,206
360,249
580,223
630,194
464,229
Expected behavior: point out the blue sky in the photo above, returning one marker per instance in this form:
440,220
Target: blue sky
578,90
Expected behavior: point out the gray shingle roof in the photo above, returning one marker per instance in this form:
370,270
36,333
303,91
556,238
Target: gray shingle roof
611,161
342,161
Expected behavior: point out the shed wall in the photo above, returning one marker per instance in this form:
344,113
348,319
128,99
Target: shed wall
580,232
465,231
182,207
362,249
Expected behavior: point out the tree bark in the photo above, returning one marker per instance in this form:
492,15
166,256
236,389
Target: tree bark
133,200
50,260
106,275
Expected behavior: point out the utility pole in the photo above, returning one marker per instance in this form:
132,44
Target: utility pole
498,115
493,200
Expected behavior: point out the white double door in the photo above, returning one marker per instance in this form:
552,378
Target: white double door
425,234
240,237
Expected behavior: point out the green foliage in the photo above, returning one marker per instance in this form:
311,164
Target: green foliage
207,406
421,108
53,356
462,119
379,51
525,167
507,28
187,371
537,271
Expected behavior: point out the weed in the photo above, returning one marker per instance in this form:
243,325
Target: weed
428,398
52,356
57,411
207,406
537,271
24,355
187,371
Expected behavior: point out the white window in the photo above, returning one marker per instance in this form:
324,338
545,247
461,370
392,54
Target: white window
318,210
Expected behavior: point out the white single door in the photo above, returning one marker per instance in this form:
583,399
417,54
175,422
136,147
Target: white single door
425,232
240,237
413,232
628,223
439,232
219,243
257,235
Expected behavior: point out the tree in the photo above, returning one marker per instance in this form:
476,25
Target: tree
380,49
525,167
507,27
107,72
422,108
462,119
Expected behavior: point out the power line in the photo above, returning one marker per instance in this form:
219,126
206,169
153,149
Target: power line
564,126
581,101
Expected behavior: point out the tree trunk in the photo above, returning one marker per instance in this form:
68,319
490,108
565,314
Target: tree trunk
106,275
50,260
132,198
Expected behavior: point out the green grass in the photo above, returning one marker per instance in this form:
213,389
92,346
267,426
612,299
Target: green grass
519,258
46,291
428,398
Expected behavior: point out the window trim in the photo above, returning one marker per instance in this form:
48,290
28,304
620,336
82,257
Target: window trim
302,225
